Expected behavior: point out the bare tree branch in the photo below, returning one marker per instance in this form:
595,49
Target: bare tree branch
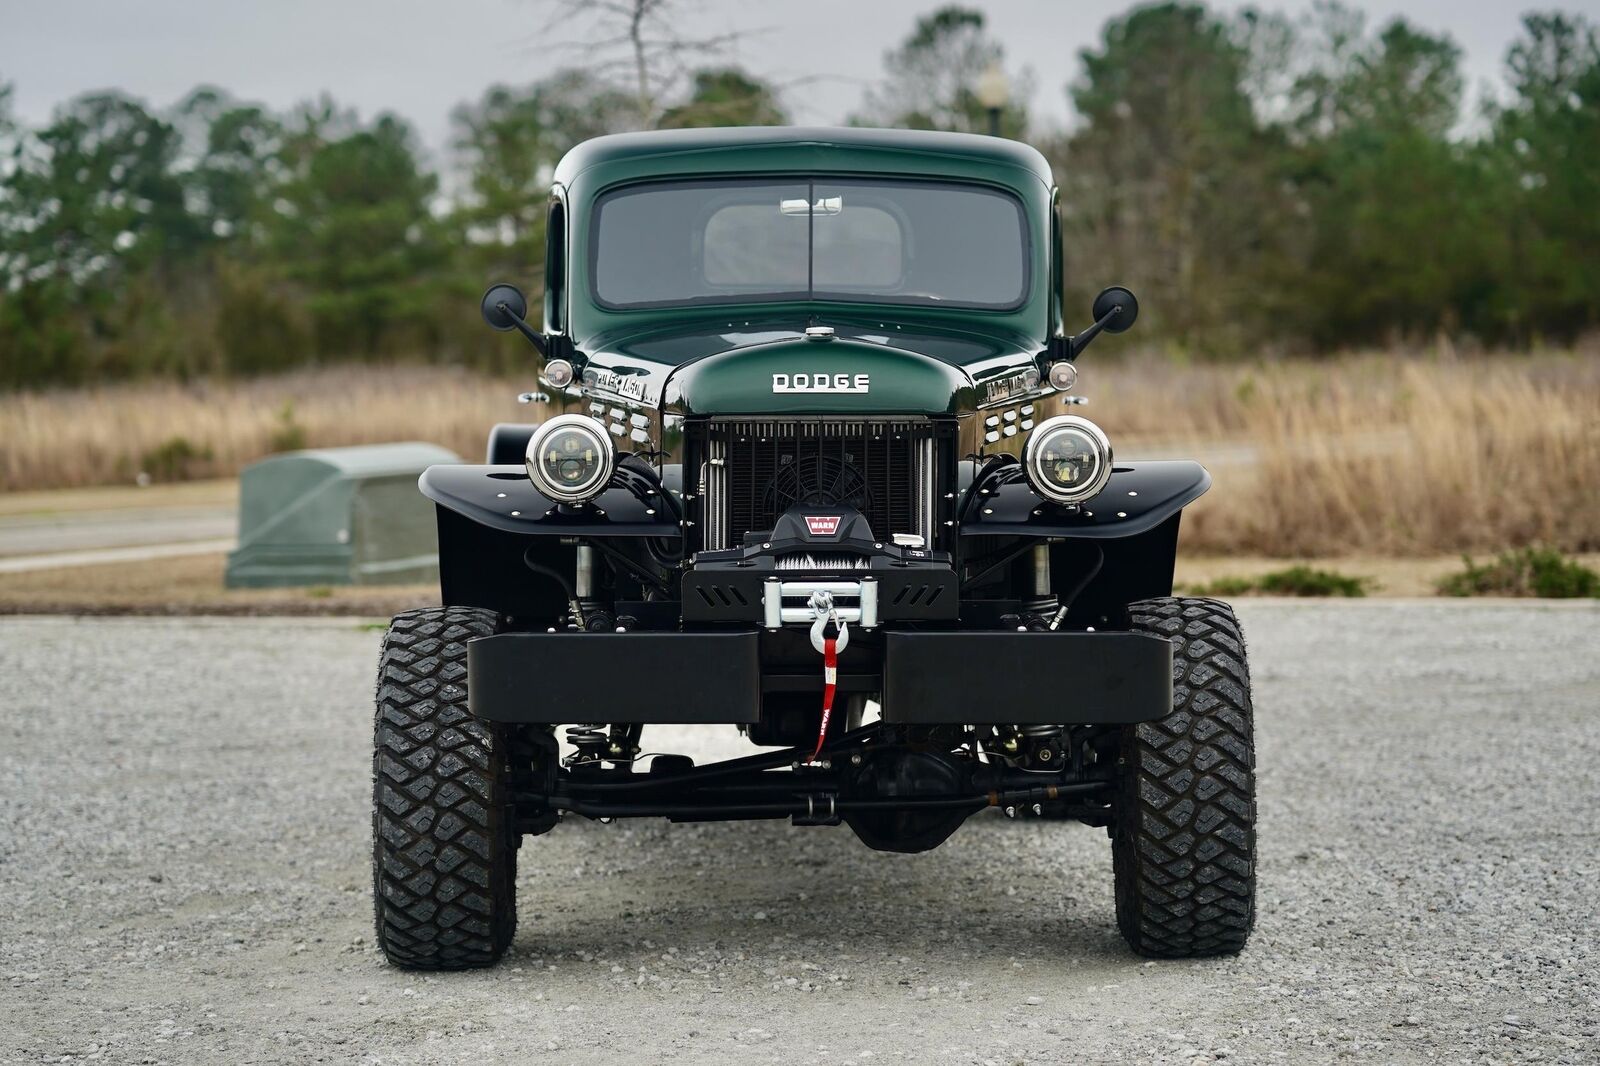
636,44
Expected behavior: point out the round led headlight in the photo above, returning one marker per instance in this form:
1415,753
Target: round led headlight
570,458
1067,459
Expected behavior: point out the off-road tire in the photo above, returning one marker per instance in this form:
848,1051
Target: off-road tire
443,835
1183,841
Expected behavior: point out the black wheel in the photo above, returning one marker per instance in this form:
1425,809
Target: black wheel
443,836
1184,840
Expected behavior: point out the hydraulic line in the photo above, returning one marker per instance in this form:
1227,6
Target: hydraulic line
554,575
1077,589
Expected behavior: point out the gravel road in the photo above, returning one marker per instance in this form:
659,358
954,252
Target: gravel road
183,877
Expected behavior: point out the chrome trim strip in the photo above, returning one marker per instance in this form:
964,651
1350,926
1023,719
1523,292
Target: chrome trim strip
714,479
558,193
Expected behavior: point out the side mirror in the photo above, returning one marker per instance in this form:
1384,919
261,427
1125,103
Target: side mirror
1117,299
505,308
1114,311
504,305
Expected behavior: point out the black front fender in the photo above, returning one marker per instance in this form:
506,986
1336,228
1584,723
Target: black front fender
506,546
502,498
1139,497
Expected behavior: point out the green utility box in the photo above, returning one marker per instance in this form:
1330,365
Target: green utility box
337,516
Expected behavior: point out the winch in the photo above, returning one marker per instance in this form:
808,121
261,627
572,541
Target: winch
772,578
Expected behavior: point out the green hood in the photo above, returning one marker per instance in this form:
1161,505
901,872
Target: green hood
804,377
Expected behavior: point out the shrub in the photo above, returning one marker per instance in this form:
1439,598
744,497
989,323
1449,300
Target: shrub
1542,572
1294,581
288,435
1308,581
1225,586
175,459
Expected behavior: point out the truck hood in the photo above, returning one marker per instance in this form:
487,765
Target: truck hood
803,377
774,370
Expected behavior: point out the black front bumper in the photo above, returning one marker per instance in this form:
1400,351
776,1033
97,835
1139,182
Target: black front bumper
975,677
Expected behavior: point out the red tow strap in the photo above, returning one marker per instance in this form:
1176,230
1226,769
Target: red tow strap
830,678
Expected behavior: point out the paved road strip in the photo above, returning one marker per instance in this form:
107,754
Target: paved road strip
134,554
36,534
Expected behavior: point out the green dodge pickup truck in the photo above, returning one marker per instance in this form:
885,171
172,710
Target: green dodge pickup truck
818,477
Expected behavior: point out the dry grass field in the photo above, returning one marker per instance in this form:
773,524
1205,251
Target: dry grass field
1368,455
109,435
1377,455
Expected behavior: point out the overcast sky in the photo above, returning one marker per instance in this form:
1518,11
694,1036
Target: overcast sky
421,58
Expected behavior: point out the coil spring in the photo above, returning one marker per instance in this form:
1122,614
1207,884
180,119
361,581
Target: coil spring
1041,731
588,742
587,736
1039,611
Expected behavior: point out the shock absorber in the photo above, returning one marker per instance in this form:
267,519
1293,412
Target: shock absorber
1042,605
586,612
1040,745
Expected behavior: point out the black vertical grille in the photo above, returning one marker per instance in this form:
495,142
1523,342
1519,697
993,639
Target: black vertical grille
756,470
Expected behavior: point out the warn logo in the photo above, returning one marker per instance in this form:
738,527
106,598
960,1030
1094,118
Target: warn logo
822,525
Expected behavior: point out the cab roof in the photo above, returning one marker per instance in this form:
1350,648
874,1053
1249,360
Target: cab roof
765,148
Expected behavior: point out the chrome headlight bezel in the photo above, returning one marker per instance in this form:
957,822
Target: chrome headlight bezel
558,373
1032,457
594,485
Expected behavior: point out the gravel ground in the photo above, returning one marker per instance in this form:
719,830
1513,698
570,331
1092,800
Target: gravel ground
185,879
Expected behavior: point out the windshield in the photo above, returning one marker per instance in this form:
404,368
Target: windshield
944,245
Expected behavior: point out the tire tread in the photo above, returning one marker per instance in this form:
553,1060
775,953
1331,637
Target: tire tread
1184,841
444,859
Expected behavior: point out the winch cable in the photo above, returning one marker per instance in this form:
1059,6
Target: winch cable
830,679
830,647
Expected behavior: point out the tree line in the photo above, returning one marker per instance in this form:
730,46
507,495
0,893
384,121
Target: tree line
1265,183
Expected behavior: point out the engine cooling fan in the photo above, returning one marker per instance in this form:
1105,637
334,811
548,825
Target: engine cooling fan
816,479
